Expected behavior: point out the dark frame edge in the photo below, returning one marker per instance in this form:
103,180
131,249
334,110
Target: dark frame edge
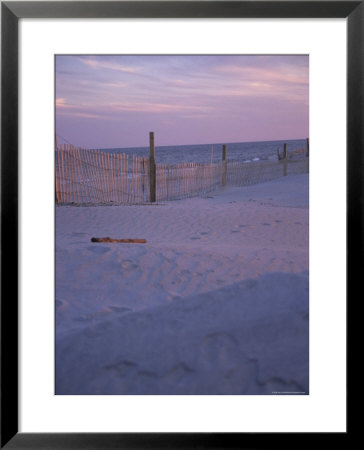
9,224
355,161
183,9
10,438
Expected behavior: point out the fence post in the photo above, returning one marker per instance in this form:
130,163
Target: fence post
224,166
152,171
285,156
308,154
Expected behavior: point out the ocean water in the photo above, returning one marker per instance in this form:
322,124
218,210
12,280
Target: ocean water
206,153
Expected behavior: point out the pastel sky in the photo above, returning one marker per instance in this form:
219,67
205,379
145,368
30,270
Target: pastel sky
114,101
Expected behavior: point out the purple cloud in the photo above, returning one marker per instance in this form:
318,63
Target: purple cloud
114,101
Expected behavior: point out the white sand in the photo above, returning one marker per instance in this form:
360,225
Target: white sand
216,301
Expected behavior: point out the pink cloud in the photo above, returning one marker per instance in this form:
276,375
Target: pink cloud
154,107
62,103
86,115
100,64
297,76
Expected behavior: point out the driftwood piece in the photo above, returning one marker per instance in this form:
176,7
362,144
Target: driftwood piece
122,241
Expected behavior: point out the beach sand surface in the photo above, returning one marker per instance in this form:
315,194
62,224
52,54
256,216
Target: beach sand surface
215,302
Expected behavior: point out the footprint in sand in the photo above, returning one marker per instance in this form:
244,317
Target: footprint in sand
86,318
122,368
218,349
204,233
195,238
96,315
60,305
266,224
180,373
98,249
128,264
120,309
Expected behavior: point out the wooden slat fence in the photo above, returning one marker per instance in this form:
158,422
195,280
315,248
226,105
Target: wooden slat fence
185,180
244,174
89,177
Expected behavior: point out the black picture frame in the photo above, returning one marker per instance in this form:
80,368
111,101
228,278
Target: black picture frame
11,12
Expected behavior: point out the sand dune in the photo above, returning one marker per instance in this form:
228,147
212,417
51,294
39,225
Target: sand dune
216,301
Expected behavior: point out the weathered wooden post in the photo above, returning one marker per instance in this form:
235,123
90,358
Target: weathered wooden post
308,154
224,166
285,157
152,171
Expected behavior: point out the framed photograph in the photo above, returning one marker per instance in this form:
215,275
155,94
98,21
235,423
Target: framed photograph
181,211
